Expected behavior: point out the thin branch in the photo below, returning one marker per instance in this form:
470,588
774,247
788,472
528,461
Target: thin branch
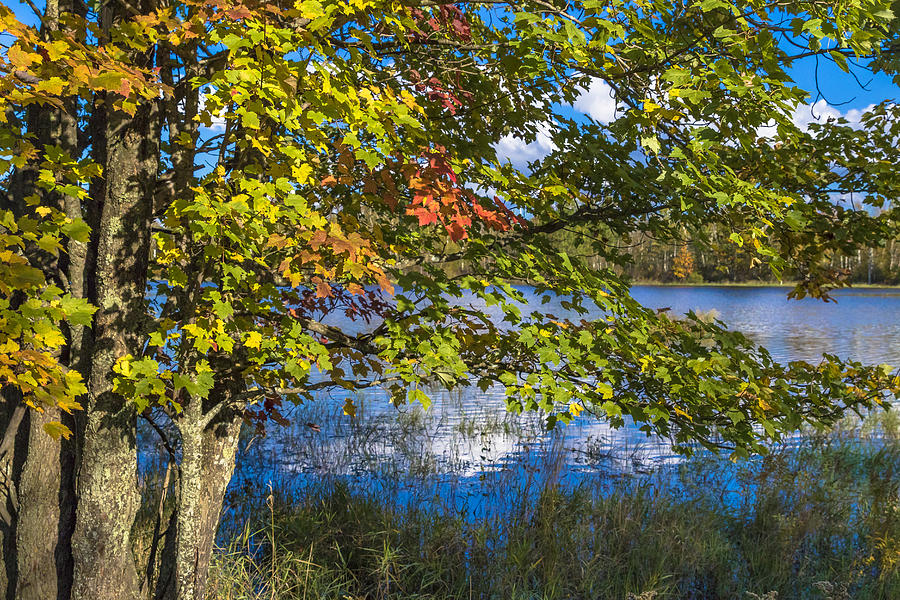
250,395
164,439
12,428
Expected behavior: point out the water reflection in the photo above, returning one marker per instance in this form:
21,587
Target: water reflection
861,324
467,449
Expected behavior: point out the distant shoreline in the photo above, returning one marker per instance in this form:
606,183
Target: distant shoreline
759,284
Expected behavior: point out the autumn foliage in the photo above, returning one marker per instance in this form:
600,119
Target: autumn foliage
212,209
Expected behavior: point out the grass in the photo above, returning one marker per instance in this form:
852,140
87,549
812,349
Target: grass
814,520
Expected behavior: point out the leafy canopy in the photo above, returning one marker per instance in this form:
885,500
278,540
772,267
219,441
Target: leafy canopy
339,157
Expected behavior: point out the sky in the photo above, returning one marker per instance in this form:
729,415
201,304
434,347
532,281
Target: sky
833,94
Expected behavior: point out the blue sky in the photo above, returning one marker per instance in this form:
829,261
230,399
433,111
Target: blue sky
833,93
23,12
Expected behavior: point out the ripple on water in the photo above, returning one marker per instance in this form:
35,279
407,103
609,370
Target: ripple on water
467,445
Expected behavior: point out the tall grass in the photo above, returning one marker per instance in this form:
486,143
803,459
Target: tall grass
817,519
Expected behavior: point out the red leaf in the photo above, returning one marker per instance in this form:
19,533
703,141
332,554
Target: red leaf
456,232
426,217
318,238
124,87
239,12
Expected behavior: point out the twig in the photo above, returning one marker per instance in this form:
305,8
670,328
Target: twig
164,439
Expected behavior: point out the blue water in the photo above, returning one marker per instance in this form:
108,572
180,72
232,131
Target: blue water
863,324
467,455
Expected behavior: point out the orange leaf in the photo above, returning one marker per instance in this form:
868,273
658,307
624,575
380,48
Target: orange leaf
323,290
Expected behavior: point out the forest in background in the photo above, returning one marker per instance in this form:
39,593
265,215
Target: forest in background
708,256
717,262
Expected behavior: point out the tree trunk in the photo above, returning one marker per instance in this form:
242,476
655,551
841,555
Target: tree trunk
107,486
46,514
107,504
207,466
14,421
189,520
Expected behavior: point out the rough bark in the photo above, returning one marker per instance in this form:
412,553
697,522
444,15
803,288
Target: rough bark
217,460
207,465
14,422
46,515
38,539
47,495
108,499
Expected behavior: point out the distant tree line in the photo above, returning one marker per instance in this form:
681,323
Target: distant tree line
709,256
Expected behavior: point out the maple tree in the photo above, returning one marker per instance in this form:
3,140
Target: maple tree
190,189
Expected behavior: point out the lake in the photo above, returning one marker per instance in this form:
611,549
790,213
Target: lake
468,454
863,324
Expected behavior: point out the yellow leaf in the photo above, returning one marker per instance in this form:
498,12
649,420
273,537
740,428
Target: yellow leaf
683,414
123,366
253,340
20,58
302,173
69,405
310,9
53,86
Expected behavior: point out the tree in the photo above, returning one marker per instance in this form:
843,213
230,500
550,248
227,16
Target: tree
190,188
683,263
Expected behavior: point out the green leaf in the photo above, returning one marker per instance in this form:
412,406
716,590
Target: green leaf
77,311
604,389
223,310
77,230
57,430
651,143
250,120
417,395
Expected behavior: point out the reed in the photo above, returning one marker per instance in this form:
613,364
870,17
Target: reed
816,519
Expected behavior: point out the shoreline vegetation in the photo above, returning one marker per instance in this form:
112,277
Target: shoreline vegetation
818,518
787,285
699,282
758,284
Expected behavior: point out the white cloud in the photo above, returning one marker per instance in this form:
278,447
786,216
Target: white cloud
520,153
598,102
217,120
818,112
